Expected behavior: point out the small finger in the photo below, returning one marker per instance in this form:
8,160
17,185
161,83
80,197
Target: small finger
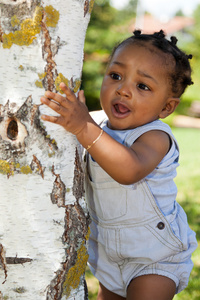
56,98
68,92
50,95
52,119
44,100
53,105
81,96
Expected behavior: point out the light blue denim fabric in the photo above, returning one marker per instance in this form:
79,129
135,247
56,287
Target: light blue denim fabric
138,229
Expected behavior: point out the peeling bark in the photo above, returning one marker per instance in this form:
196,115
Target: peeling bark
43,217
69,277
86,7
59,190
50,69
78,186
3,261
76,225
37,167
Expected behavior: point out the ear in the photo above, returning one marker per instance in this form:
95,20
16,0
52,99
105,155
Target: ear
169,108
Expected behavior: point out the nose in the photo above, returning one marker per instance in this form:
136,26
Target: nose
124,90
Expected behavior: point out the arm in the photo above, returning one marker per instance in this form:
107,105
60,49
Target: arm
123,164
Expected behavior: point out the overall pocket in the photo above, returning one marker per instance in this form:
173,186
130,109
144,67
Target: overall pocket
107,199
150,242
179,225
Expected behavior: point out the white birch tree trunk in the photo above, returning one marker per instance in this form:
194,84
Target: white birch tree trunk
43,219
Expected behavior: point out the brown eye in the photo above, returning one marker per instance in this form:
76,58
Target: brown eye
12,130
143,86
115,76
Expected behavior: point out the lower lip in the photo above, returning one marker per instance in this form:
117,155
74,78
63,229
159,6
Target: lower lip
119,115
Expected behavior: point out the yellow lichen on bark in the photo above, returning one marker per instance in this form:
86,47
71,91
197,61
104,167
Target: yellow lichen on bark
39,84
91,6
52,16
61,78
73,276
9,169
21,68
27,33
14,21
41,76
5,168
26,170
29,28
77,85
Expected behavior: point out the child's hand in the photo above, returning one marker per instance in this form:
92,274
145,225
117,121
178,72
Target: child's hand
73,112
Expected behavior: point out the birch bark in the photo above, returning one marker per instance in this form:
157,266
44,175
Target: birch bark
43,218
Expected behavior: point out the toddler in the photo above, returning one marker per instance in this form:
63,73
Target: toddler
140,244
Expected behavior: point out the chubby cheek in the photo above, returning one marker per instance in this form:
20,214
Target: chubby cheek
104,98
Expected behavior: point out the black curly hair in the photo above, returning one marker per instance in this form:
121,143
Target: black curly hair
181,77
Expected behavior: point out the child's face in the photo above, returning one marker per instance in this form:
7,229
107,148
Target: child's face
136,86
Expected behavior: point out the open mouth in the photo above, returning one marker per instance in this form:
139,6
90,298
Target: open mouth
121,109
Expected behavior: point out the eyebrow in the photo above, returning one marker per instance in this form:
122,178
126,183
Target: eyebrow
118,63
143,74
139,72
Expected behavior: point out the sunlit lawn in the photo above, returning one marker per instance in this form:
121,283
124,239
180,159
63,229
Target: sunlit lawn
188,182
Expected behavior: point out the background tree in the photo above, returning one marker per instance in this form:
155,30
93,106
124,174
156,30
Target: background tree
43,219
194,44
190,43
107,27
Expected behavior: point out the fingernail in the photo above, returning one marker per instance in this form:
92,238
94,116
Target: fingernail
43,100
43,117
62,84
46,94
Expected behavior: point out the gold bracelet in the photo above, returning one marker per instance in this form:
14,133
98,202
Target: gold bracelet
94,142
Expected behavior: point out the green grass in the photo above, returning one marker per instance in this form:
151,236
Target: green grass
187,180
92,284
189,197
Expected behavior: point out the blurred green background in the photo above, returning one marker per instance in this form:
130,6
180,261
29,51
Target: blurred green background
107,27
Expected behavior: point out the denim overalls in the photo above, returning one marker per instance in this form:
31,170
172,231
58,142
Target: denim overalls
140,228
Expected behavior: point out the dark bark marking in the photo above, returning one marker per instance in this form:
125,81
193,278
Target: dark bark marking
37,167
29,116
78,184
58,191
86,7
17,260
3,261
50,69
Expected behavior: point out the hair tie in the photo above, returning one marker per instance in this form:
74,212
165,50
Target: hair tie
173,40
189,56
159,35
137,33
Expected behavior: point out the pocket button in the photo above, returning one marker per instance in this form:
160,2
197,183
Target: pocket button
161,225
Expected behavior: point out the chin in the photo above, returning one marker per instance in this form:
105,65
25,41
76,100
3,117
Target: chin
116,127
